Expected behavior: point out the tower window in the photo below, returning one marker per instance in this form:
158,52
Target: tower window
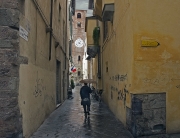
79,24
79,73
79,58
79,15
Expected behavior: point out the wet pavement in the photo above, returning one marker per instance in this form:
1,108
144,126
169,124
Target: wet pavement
68,121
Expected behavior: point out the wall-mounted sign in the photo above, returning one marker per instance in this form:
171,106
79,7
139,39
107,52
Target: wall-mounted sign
23,33
149,43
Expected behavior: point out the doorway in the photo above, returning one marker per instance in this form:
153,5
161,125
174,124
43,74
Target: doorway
58,82
64,85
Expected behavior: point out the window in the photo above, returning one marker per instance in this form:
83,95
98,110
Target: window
106,66
59,18
78,15
79,73
79,58
79,24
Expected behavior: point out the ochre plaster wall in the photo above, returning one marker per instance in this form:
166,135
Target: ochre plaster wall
118,60
156,69
37,97
37,82
106,2
91,24
129,68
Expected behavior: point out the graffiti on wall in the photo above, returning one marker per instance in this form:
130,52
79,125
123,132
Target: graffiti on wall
119,77
176,81
178,86
39,87
121,93
161,80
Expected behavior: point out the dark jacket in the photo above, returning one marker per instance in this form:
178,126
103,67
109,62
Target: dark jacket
85,92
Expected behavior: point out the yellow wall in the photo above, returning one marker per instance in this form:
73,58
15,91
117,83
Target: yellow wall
156,69
106,2
118,57
144,69
37,85
91,24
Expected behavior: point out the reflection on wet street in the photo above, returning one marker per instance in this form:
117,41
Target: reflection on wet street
68,121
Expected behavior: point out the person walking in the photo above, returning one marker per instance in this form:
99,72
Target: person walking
85,98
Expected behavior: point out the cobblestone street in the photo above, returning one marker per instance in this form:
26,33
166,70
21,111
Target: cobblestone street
68,121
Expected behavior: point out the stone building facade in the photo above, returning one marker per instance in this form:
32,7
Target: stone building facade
34,60
79,37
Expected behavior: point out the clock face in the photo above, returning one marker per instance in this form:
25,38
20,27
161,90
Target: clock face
79,42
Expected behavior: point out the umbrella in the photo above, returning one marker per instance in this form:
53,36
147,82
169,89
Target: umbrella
87,81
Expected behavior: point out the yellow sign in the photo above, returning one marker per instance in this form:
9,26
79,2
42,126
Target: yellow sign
149,43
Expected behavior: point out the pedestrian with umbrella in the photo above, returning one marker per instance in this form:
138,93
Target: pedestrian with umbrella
85,98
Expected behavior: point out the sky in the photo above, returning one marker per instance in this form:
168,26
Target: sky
83,5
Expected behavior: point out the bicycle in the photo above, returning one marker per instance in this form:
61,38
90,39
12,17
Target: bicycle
99,93
93,92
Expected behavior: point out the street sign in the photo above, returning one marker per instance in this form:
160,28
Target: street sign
23,33
149,43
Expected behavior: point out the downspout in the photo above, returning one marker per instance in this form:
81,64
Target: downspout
102,72
50,39
70,18
66,32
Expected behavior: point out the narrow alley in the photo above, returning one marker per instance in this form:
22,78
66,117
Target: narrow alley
129,49
68,121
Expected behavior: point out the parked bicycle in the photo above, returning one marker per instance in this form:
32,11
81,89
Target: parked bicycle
96,94
99,93
69,93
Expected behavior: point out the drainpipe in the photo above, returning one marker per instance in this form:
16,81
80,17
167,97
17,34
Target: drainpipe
50,39
102,70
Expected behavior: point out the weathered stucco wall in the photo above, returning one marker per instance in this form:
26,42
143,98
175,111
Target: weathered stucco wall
156,68
118,60
106,2
38,79
130,68
37,97
91,24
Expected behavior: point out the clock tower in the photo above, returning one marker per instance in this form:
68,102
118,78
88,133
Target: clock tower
78,45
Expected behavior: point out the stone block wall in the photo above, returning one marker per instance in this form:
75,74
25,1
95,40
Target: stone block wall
10,118
147,115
